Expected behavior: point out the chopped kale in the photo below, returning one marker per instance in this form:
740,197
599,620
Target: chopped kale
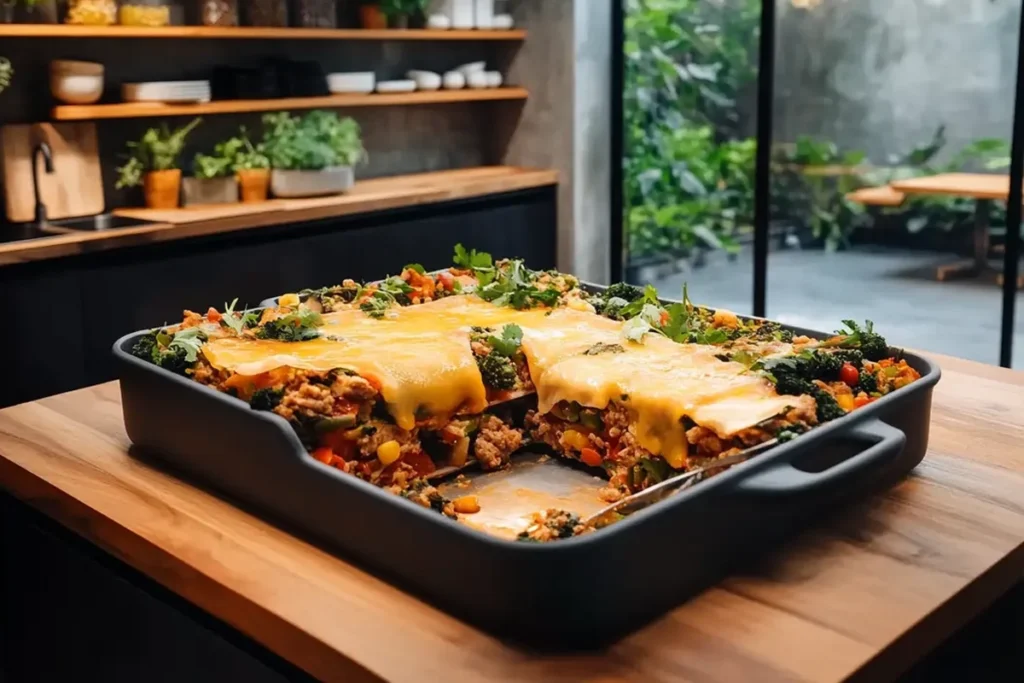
294,327
266,399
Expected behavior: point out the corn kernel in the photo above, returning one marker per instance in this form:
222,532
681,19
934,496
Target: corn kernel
289,300
574,439
388,452
467,505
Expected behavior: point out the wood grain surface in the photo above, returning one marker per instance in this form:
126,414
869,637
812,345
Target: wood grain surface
863,594
137,110
367,196
973,185
75,188
250,33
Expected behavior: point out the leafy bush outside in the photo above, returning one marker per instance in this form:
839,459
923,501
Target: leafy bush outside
689,168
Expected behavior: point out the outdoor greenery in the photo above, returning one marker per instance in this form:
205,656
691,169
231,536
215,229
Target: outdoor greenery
690,68
6,73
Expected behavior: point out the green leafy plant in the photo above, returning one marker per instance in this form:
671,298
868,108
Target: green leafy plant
245,155
402,8
319,140
157,150
6,73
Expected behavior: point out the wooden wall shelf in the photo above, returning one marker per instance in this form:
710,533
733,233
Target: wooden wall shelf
133,110
248,32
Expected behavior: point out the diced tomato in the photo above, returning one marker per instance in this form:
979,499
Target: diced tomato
862,400
420,462
664,318
446,280
339,445
849,375
613,447
324,454
213,315
590,457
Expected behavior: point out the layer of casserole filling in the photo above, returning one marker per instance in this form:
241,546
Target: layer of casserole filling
393,381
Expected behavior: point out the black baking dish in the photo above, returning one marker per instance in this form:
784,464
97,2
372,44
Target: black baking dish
577,593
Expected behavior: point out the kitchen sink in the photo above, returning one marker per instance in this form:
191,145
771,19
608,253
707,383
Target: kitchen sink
105,221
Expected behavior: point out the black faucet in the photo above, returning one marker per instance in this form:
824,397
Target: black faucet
44,149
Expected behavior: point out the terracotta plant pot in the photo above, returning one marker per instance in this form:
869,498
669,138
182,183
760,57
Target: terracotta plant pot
255,184
162,189
372,17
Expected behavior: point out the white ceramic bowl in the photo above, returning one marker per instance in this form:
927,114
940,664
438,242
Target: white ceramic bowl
472,67
396,86
454,80
477,79
425,80
439,22
494,79
76,82
352,82
502,22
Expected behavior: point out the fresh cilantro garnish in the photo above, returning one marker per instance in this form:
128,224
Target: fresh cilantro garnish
650,298
378,304
189,341
514,286
397,288
508,344
294,327
416,267
238,322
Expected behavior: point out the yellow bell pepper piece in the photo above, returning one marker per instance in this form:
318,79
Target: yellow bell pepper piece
574,439
288,300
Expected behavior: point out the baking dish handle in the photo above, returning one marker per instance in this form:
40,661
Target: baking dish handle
885,445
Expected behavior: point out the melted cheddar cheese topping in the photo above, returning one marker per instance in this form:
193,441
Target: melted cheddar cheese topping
422,358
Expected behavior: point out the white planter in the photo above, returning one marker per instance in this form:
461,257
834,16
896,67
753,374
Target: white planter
199,191
333,180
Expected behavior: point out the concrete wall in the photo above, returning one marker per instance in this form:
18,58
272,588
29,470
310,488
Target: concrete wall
566,123
882,75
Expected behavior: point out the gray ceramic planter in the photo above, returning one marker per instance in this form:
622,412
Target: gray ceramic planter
210,190
333,180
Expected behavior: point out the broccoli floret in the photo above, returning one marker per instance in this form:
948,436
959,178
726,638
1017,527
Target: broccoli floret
174,358
146,348
499,372
791,385
266,399
294,327
872,345
772,331
868,382
828,409
621,290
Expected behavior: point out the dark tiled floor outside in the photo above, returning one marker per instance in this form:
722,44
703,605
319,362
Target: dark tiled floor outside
893,288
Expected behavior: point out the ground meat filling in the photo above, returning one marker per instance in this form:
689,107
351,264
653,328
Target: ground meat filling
552,525
495,442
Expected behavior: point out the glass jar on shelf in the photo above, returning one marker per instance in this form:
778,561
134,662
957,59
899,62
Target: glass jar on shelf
152,13
266,12
218,12
91,12
315,13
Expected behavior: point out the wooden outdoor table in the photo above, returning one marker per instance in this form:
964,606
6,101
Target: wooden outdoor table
864,593
982,187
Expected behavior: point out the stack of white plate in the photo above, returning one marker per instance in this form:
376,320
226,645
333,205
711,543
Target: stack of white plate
166,91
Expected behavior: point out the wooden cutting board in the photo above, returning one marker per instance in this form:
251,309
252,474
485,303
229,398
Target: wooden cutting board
76,186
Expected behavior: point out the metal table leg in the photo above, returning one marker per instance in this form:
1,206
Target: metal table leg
978,265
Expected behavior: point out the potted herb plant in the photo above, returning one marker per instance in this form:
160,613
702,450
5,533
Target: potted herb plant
372,16
251,166
153,164
6,73
401,12
313,155
213,182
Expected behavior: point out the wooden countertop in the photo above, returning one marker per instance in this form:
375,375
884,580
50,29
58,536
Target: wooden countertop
865,593
367,196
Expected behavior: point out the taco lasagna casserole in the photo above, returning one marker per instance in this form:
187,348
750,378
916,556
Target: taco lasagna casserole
396,380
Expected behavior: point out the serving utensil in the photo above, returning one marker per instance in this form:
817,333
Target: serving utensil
671,486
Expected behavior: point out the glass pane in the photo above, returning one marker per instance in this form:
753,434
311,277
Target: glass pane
689,105
870,95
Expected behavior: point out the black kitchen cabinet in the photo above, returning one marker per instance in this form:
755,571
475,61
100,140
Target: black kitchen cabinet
60,317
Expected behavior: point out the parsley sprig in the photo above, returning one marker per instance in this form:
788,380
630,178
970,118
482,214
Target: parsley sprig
238,321
509,342
480,262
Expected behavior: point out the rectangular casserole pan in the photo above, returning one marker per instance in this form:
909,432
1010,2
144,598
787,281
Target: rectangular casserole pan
576,593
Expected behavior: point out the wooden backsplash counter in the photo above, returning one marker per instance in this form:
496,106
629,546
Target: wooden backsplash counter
366,197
